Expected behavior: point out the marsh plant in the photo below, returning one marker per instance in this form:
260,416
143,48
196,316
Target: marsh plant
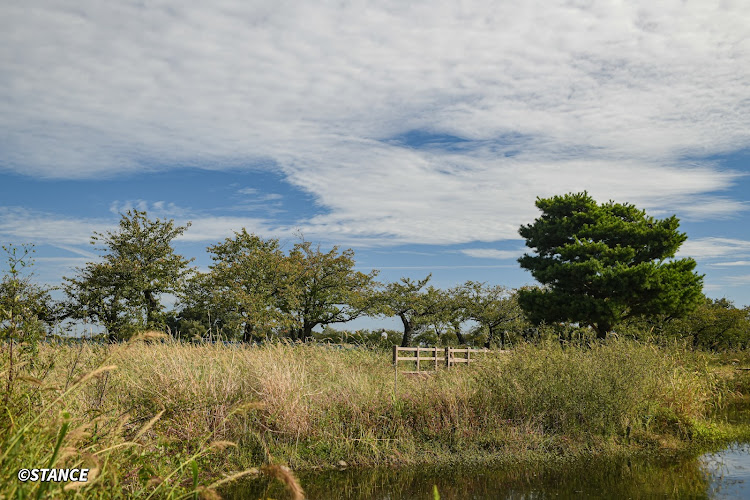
60,416
159,418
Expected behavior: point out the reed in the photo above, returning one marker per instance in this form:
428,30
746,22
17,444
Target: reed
175,420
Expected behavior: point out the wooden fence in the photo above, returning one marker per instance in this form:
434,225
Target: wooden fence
434,356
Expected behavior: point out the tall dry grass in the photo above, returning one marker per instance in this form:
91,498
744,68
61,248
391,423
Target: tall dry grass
66,409
176,418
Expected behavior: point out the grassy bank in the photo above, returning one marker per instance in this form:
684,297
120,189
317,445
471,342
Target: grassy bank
169,419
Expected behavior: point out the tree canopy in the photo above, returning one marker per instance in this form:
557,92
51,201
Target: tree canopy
415,305
493,307
138,265
246,280
25,308
602,264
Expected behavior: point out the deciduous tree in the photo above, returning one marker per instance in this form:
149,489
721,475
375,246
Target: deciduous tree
716,324
415,305
249,278
138,265
322,288
25,310
494,307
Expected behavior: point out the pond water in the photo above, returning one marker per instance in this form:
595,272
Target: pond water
721,475
724,474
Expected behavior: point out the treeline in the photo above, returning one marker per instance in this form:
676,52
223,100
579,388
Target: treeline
256,290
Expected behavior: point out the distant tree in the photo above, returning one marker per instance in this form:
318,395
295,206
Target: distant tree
603,264
322,288
446,313
415,305
247,279
138,265
199,311
716,324
96,293
494,307
25,311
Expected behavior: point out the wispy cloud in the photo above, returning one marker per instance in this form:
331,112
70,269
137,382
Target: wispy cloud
24,226
78,251
538,98
214,229
740,280
712,248
162,209
489,253
70,233
428,268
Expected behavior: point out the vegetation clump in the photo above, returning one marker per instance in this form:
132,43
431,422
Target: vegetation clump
187,416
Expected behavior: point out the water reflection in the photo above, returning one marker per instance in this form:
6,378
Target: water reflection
719,475
729,471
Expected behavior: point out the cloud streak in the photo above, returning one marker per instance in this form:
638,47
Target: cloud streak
491,253
545,98
715,248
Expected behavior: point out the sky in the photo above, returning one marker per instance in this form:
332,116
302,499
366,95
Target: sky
417,133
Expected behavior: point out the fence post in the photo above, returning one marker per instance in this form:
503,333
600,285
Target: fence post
447,356
395,369
434,355
418,358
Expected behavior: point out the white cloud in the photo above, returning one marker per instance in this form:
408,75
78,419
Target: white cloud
23,226
161,209
552,97
70,234
731,264
78,251
739,280
429,268
712,248
490,253
215,229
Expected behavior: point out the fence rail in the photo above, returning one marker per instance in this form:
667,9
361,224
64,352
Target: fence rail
435,356
447,356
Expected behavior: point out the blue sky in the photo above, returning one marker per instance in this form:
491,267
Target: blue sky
417,133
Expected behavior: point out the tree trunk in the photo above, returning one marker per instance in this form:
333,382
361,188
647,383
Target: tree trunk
247,335
457,331
151,306
490,337
307,331
460,337
407,330
294,334
602,330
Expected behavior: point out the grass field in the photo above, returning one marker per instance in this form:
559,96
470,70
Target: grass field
166,419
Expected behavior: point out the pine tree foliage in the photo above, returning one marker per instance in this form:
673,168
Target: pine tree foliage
602,264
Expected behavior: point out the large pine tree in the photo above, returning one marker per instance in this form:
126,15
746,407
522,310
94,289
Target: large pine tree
602,264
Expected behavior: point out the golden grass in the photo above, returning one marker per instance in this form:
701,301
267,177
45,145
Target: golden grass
174,418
